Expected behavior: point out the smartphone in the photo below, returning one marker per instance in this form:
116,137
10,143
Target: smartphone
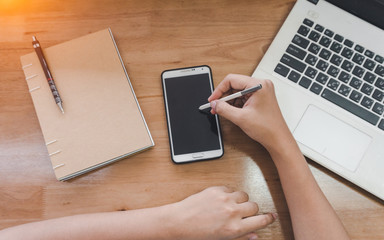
194,135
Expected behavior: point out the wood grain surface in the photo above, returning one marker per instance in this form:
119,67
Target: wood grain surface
152,35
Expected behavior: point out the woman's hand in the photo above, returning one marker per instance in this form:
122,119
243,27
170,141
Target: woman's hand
257,114
218,213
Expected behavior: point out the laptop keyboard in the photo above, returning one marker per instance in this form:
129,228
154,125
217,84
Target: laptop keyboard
337,69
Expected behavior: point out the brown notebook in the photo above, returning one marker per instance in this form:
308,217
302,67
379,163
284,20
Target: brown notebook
103,121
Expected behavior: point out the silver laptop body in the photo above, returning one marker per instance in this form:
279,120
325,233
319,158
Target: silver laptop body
328,72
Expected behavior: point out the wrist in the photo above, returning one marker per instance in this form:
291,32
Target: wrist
284,150
169,221
158,223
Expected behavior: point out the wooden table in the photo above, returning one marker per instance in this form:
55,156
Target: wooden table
152,35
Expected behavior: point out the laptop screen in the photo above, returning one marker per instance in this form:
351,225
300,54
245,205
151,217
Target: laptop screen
370,10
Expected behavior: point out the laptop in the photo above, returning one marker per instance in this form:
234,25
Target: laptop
327,65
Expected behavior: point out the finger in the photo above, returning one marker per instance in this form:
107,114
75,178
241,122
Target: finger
228,190
251,236
231,81
251,224
248,236
240,196
227,111
249,209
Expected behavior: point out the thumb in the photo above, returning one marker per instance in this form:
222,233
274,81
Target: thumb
227,111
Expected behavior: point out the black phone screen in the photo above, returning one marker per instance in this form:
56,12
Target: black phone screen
192,130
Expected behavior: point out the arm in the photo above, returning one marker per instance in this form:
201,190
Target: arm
215,213
260,118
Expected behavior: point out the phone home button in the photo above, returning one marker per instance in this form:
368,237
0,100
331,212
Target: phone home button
198,155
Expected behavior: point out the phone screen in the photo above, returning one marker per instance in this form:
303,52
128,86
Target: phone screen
192,130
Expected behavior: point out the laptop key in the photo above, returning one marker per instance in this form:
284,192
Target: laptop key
369,77
347,53
314,48
325,42
294,76
329,33
369,53
322,65
356,96
358,71
295,51
358,58
316,88
344,77
282,70
381,124
338,38
380,70
333,71
367,89
300,41
367,102
355,83
336,59
369,64
322,78
350,106
333,84
319,28
325,54
378,108
379,59
380,83
344,90
359,48
303,30
308,22
378,95
314,36
336,47
311,72
305,82
293,63
311,59
347,65
348,43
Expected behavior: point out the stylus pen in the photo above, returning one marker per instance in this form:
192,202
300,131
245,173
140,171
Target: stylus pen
233,96
48,75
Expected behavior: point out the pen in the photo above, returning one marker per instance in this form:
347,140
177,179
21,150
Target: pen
233,96
48,75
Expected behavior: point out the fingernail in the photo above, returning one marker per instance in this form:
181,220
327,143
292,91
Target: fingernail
253,237
275,215
213,105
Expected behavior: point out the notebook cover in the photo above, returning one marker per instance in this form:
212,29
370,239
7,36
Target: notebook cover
103,121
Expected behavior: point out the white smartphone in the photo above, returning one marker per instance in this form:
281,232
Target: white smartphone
194,135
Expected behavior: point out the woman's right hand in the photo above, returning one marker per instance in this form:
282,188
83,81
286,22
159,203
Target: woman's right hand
258,115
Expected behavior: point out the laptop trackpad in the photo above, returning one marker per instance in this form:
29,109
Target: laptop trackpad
332,138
